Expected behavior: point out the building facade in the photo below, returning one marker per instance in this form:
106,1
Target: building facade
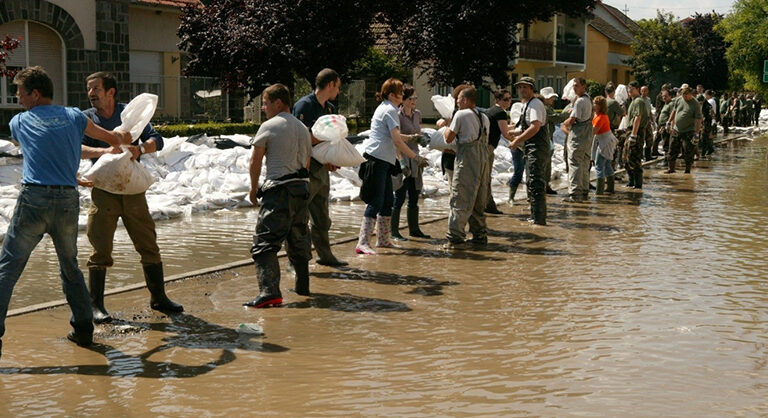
609,38
133,39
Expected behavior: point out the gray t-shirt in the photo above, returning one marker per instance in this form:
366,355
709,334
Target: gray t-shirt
582,109
466,125
287,143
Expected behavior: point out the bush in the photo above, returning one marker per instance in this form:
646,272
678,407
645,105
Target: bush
595,89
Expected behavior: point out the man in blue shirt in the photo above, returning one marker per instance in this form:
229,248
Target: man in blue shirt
308,109
49,137
107,207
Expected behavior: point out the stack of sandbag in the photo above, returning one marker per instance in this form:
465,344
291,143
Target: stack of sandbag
334,148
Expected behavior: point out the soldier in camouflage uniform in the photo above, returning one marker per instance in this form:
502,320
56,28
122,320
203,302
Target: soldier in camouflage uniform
685,120
637,115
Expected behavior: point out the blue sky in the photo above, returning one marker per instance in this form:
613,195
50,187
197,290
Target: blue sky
682,8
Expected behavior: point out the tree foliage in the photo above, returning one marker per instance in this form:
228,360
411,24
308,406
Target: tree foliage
745,31
709,66
455,41
252,43
7,45
663,51
380,65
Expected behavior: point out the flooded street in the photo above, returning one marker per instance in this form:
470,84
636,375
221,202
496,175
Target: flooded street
638,304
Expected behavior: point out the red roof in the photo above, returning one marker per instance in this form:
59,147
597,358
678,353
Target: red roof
171,3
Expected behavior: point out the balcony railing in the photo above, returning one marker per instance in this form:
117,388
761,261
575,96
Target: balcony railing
535,50
570,53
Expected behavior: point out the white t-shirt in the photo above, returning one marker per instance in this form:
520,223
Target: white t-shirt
536,111
466,125
582,109
287,143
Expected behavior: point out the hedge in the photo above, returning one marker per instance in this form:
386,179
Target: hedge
219,128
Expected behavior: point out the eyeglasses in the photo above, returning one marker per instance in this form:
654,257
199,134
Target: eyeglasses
414,98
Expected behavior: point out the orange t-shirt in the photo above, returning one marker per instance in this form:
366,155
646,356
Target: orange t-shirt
601,121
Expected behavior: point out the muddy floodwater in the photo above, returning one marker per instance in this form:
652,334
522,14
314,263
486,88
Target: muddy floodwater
639,304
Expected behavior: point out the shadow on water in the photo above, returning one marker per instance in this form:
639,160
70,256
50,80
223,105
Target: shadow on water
503,248
521,236
191,332
349,303
463,255
421,285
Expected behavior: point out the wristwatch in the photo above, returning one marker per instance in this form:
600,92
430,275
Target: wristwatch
142,150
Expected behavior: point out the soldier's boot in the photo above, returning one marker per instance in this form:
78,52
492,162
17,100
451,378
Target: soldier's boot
688,168
153,275
413,224
268,276
395,226
638,180
600,186
301,275
96,281
609,185
539,211
364,239
670,165
490,206
631,178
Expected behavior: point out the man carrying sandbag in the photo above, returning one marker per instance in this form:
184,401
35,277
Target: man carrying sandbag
107,207
284,212
49,203
308,109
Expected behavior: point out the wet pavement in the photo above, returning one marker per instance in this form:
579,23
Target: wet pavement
638,304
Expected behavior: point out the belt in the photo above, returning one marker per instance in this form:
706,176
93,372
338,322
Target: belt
48,186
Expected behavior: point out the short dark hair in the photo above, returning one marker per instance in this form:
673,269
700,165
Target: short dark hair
325,77
609,88
35,78
390,86
108,81
408,91
634,84
581,81
458,89
278,91
470,93
500,94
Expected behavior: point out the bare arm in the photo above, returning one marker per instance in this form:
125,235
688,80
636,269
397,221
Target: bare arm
110,137
254,169
449,135
400,144
636,125
532,130
87,152
505,131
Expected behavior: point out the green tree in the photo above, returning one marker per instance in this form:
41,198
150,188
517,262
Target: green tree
663,51
745,30
709,67
594,88
380,65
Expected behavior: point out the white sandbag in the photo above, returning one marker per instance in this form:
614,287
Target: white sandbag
568,92
437,141
137,114
444,105
116,173
622,95
338,153
624,123
515,112
330,128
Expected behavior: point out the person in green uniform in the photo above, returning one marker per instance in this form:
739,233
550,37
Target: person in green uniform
685,123
662,133
637,114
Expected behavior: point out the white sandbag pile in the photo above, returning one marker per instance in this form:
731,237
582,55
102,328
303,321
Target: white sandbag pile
334,148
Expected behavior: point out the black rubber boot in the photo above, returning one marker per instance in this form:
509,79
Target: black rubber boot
96,281
395,226
550,190
610,185
638,180
688,168
268,275
490,206
301,270
153,274
80,338
600,186
631,177
512,193
413,224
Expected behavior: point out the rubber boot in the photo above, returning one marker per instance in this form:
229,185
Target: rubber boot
96,280
631,177
268,276
490,206
413,224
394,226
688,168
364,239
638,180
670,165
383,234
600,186
153,274
301,271
539,212
512,193
610,185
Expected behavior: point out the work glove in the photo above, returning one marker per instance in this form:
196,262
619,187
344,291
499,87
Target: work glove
421,161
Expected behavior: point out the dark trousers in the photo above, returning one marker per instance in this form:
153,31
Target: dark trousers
409,188
381,178
537,160
634,154
682,140
284,217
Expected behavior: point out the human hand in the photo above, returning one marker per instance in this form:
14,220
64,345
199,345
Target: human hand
135,151
84,182
421,161
406,170
331,167
252,196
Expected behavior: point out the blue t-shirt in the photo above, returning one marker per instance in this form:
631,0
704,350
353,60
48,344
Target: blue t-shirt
113,122
379,143
50,137
308,109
